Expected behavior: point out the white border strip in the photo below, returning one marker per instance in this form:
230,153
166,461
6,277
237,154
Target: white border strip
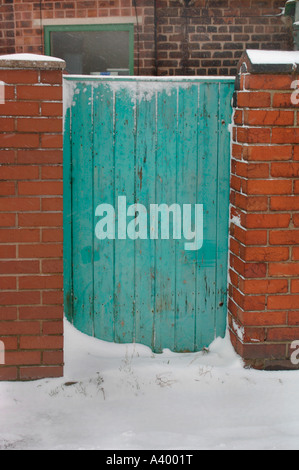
2,353
2,101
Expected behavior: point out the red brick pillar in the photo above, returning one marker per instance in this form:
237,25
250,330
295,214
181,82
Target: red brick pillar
264,244
31,227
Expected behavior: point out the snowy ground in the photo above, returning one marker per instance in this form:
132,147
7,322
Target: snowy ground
125,397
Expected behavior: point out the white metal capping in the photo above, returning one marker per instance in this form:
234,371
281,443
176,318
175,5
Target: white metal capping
2,353
2,92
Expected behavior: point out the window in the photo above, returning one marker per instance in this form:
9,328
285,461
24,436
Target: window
93,49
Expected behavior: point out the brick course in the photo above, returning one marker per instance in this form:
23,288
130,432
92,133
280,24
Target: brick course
206,38
264,273
31,272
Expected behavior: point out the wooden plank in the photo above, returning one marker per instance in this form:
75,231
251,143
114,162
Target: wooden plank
225,118
145,194
186,194
103,110
82,208
165,194
207,195
67,218
124,315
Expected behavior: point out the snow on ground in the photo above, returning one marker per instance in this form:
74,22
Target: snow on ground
125,397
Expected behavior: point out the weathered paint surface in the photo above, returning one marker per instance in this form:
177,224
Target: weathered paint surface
154,141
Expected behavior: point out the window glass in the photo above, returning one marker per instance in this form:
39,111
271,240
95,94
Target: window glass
91,52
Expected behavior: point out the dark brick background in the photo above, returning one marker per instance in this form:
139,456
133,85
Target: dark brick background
205,38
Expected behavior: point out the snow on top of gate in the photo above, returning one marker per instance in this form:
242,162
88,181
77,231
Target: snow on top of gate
145,90
139,88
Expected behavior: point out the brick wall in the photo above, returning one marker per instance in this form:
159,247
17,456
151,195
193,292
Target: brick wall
264,244
209,37
31,235
206,38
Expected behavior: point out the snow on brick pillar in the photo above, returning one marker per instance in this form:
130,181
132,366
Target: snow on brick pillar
31,227
264,242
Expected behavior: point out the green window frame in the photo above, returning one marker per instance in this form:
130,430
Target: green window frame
95,27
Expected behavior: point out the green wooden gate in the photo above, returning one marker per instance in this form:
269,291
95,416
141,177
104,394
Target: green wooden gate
151,141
